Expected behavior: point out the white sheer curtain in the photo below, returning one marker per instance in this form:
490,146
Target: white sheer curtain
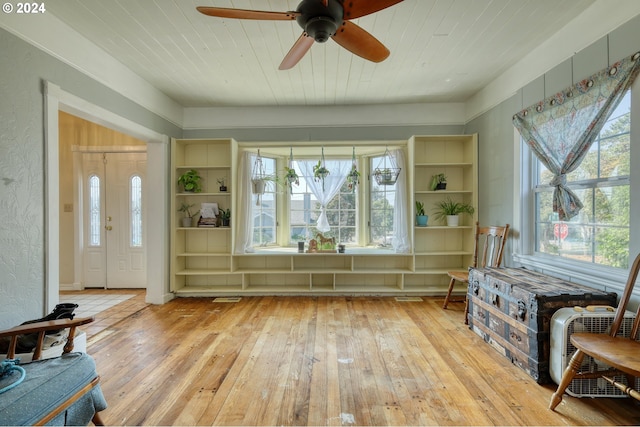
332,183
244,218
401,240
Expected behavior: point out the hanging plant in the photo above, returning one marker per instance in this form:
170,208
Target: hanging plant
353,177
258,178
387,172
320,172
291,178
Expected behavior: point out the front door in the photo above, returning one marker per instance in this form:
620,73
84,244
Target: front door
114,254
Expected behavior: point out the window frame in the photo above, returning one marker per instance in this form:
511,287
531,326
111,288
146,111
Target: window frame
597,276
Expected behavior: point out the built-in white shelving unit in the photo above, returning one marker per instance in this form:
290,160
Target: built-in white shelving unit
204,262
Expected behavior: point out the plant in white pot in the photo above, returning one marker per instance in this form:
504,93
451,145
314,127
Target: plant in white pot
188,215
451,210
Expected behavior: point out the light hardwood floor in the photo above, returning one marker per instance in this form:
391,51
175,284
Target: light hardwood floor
321,361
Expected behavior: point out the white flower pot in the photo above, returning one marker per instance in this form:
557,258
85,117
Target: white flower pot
453,220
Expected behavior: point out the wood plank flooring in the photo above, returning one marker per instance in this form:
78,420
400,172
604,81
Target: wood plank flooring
321,361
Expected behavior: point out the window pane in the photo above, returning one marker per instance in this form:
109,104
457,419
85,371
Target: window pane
600,233
381,212
136,211
94,211
264,212
341,212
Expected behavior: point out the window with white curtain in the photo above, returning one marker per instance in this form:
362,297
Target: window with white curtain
341,211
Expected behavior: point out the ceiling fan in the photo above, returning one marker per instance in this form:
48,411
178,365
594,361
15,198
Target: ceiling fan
321,20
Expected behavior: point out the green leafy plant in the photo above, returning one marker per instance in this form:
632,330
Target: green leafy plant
225,214
446,207
437,181
190,181
319,171
186,209
291,178
419,208
353,178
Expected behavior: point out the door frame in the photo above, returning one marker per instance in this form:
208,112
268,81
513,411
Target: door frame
56,100
79,217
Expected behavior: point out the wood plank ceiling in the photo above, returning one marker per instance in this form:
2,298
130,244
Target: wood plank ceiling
441,50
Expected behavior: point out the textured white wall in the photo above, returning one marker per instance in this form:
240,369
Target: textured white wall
21,187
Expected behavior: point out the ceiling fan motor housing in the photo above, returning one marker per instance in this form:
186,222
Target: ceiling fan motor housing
318,21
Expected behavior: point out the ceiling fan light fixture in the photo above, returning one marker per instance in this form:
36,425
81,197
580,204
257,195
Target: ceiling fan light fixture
321,28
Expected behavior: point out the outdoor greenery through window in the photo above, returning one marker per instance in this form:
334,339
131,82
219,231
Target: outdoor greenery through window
264,209
600,233
298,207
381,209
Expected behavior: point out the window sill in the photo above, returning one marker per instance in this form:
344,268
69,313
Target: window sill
606,279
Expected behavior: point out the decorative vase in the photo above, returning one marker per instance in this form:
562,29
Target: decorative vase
421,220
186,221
453,220
441,186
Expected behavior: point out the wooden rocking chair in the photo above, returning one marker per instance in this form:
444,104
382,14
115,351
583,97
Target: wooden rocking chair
55,396
622,354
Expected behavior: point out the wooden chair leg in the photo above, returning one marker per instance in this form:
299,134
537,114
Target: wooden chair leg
446,299
96,420
466,311
567,377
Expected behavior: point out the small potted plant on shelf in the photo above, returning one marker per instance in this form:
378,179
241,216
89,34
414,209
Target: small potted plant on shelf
450,210
190,181
438,182
421,217
188,215
225,217
223,184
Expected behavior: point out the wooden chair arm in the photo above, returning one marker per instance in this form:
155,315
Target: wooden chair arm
41,328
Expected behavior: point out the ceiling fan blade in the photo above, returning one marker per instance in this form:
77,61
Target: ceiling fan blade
358,41
297,51
223,12
356,8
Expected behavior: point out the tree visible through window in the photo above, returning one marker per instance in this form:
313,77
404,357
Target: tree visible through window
600,233
382,201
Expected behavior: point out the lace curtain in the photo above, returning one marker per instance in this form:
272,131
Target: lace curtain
244,225
325,192
401,240
561,128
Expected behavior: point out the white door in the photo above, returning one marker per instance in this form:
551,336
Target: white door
114,254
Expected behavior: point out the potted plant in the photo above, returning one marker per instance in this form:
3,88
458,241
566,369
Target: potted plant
450,210
291,178
188,215
353,178
225,217
222,182
421,217
190,181
438,182
320,172
386,176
